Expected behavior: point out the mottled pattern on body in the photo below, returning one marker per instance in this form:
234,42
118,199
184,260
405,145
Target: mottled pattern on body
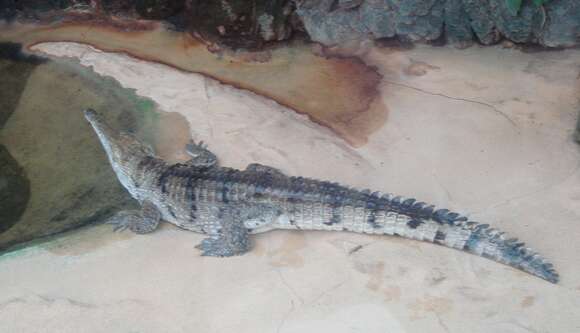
229,205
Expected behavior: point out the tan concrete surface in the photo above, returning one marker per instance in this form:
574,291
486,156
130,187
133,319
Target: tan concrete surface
486,132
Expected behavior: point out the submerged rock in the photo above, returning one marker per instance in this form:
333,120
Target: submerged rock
15,67
14,190
70,181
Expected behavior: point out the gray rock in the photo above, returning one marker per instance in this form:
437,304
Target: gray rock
555,24
481,21
521,28
241,23
562,26
414,19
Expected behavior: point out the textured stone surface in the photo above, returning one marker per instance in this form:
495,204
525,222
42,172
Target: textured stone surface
250,24
562,26
240,23
412,19
556,23
158,9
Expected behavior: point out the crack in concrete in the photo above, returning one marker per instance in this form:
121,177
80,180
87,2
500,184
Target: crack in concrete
441,323
488,105
44,300
289,287
331,289
283,321
355,249
359,247
447,193
534,192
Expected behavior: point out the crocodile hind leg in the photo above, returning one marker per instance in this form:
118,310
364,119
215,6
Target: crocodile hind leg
141,221
227,236
200,155
229,227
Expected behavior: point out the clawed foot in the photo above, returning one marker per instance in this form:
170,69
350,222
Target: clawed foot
212,247
200,155
121,221
132,220
193,147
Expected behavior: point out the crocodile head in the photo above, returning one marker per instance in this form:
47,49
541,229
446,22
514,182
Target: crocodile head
124,151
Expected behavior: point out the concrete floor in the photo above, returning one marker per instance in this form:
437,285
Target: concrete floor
484,131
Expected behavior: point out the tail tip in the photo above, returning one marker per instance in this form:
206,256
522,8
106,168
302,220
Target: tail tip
551,276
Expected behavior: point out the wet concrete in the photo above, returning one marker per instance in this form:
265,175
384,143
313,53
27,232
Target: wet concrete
340,93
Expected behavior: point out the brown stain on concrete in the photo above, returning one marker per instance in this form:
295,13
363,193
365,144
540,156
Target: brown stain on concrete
287,255
472,294
429,304
376,276
392,293
172,134
528,301
419,68
375,271
338,93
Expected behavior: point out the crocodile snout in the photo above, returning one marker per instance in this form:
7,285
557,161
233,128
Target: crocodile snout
90,114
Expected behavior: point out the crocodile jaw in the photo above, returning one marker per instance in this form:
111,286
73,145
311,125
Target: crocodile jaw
124,152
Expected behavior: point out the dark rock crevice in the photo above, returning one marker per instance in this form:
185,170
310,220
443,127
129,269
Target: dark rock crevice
14,190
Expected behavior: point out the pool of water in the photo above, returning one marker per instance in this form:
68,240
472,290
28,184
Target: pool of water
54,173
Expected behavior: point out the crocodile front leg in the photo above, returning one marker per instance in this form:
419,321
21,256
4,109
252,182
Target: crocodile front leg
200,155
141,221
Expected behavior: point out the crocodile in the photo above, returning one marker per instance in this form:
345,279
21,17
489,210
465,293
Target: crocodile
229,205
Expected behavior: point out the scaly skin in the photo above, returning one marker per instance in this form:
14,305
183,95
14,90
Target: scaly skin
229,205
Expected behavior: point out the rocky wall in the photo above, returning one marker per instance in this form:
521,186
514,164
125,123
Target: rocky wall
252,23
331,22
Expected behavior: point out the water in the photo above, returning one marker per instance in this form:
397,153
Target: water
55,176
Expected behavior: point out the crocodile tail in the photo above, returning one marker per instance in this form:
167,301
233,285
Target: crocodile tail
416,220
340,208
493,244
